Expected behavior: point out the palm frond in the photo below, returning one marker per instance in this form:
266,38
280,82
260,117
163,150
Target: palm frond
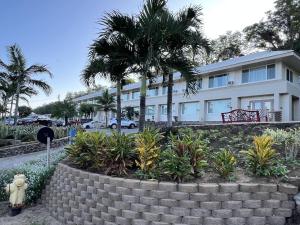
37,69
46,88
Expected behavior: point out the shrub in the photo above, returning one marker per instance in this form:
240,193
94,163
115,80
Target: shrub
119,155
261,157
175,167
87,151
148,150
192,145
290,140
224,163
37,174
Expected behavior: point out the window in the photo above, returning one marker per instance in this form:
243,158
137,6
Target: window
199,84
163,109
150,110
153,92
218,81
218,106
135,95
258,74
289,75
126,97
164,90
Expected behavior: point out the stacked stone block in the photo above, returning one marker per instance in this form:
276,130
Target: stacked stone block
78,197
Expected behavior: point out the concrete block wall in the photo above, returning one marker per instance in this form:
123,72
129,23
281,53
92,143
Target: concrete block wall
82,198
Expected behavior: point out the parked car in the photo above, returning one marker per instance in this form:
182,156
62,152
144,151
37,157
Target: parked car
82,121
92,125
130,124
9,121
58,123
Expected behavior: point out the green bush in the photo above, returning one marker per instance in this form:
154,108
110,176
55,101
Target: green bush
87,151
175,167
148,151
261,158
224,163
37,174
120,155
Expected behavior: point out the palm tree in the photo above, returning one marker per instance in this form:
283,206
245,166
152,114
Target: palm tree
106,103
21,75
180,35
109,58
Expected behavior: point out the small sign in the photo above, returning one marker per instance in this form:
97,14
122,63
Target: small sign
45,133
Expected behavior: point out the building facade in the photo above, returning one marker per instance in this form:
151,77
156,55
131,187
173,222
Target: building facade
264,81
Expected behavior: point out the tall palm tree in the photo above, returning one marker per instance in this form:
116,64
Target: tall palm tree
109,58
22,75
106,103
180,36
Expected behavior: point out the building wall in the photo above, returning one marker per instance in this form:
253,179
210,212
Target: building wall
281,92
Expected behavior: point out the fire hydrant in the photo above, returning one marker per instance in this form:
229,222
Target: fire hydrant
17,193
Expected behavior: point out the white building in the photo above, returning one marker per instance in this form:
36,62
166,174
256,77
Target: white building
265,81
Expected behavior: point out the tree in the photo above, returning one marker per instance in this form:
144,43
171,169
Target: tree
110,57
106,103
130,112
281,29
24,111
226,46
86,109
22,76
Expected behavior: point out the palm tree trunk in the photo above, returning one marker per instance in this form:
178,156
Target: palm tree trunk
143,92
105,119
17,104
11,106
170,100
119,106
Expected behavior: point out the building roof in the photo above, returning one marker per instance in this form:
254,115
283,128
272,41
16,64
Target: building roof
238,61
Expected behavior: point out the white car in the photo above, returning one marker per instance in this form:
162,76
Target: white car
124,123
92,125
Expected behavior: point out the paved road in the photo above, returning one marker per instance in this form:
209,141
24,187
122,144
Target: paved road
15,161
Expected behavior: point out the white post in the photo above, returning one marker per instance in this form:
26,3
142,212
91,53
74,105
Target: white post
48,151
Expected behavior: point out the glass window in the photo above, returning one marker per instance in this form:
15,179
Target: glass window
125,97
153,92
218,81
258,74
289,75
164,90
163,109
150,110
218,106
135,95
199,84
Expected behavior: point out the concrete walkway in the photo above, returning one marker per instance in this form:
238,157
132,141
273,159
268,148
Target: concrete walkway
37,215
15,161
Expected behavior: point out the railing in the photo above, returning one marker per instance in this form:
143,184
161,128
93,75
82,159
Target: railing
240,115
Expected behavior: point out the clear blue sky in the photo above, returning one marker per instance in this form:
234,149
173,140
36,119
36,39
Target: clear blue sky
58,32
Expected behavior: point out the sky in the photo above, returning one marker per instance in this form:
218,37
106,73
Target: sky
58,32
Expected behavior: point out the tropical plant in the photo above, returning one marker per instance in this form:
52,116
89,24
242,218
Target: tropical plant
119,156
289,139
23,76
175,167
148,150
261,157
88,150
192,145
106,103
224,163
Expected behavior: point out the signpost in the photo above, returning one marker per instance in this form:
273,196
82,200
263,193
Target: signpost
45,135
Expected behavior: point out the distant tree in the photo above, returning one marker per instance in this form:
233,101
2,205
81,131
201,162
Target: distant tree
226,46
86,109
24,111
23,76
281,29
130,113
106,103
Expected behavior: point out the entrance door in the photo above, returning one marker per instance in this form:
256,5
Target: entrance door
263,107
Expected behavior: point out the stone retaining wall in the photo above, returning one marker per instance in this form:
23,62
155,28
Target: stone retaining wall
78,197
30,147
